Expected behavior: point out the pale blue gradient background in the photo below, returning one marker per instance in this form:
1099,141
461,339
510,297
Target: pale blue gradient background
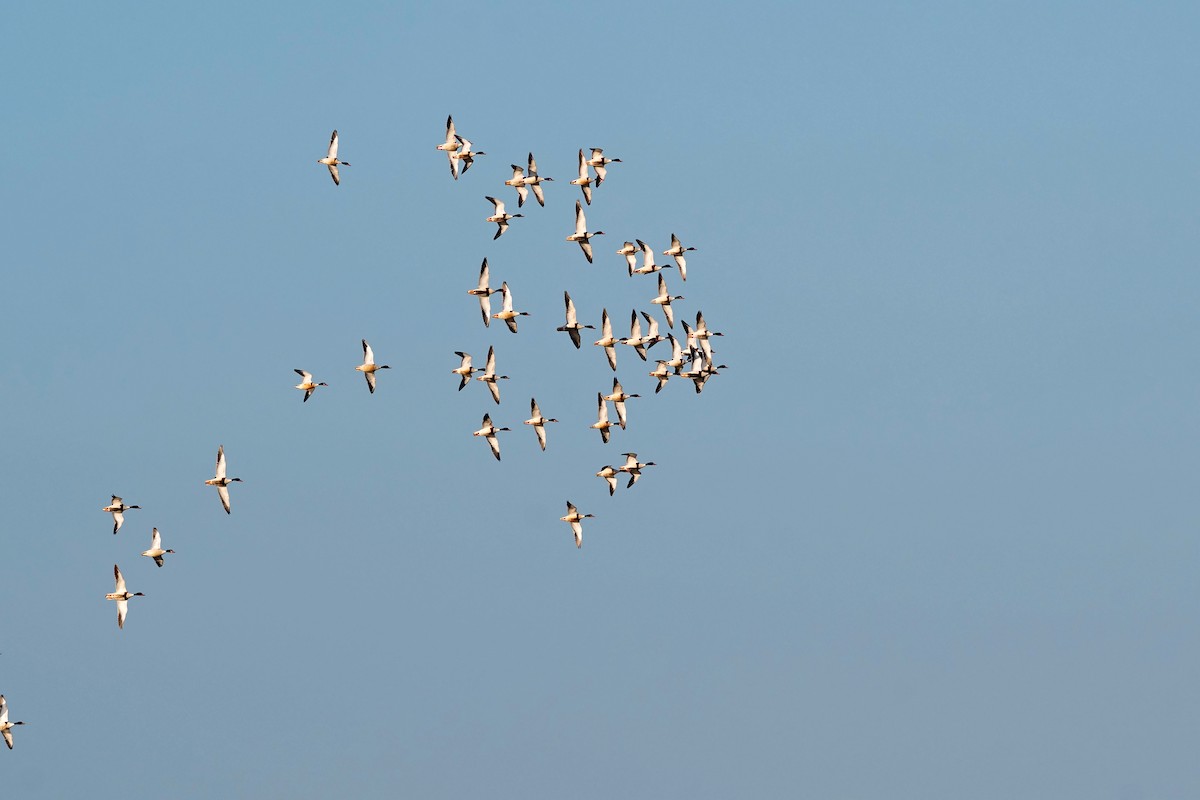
932,535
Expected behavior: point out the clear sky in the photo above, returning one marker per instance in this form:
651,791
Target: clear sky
931,535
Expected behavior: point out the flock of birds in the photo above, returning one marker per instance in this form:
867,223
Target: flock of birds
691,359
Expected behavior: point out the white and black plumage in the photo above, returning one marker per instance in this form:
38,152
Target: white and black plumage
220,481
517,181
534,181
450,146
368,368
598,162
307,384
465,156
500,217
121,595
464,370
676,251
610,476
648,266
607,340
584,181
331,160
538,422
117,508
572,326
602,424
618,398
575,520
490,377
156,549
506,312
6,726
633,468
484,293
664,299
581,234
489,431
630,251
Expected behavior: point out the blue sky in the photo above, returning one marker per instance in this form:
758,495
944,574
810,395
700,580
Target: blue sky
931,535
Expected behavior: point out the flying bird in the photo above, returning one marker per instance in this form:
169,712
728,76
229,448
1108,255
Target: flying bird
538,422
664,299
464,155
506,311
581,234
121,595
633,468
6,726
220,481
598,162
584,181
368,368
601,424
331,160
450,146
610,476
575,519
464,370
118,508
607,340
156,549
306,383
535,181
618,398
484,293
648,266
489,431
490,377
500,217
676,251
629,250
572,328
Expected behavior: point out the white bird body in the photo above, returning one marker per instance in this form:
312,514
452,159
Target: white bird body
630,251
450,146
602,424
581,234
121,595
517,181
368,368
584,181
307,384
676,251
331,160
663,373
633,468
488,431
490,377
664,299
220,481
618,398
598,162
6,726
607,340
117,508
465,155
538,422
464,370
648,266
506,312
575,520
572,326
500,217
610,476
535,181
484,293
156,550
